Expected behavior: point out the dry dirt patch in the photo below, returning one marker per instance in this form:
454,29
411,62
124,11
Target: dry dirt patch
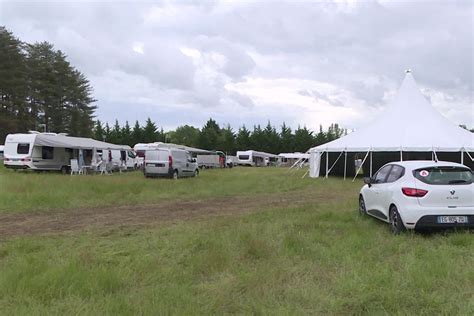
167,211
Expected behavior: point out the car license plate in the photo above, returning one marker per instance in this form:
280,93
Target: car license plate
452,219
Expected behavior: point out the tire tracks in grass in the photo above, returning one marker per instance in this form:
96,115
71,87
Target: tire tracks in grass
41,223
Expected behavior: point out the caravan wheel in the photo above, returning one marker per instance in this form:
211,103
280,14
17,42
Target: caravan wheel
64,170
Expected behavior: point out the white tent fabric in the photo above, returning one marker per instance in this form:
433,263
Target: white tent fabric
410,123
58,140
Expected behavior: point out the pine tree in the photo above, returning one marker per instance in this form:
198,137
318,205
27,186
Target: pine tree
126,133
286,140
227,140
209,136
149,132
137,134
242,140
14,114
272,139
303,139
99,131
257,138
107,132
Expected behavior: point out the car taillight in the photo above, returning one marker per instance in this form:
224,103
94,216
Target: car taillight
414,192
26,159
170,162
6,159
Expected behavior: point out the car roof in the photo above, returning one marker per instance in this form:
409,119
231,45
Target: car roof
415,164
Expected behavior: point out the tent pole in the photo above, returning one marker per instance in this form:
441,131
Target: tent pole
462,156
370,174
327,163
472,159
345,164
361,165
401,155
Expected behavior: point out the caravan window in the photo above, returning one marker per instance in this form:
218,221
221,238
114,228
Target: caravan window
47,152
23,149
244,157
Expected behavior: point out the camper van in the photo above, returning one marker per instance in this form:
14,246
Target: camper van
169,162
125,158
51,151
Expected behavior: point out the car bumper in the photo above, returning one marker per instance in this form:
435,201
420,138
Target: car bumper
427,217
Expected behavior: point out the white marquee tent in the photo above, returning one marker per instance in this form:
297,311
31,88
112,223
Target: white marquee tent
409,124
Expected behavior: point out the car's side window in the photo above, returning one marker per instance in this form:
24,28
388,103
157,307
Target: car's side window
396,173
381,175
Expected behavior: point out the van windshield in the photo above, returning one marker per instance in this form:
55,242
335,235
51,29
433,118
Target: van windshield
444,175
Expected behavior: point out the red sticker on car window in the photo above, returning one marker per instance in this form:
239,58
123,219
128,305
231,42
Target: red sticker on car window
424,173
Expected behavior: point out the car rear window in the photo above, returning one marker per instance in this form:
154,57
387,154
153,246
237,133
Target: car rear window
23,149
444,175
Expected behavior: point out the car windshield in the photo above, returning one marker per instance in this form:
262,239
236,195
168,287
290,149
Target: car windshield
444,175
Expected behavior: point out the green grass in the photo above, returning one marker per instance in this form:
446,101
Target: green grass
320,258
29,191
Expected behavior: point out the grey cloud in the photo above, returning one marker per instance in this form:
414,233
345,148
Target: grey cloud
326,42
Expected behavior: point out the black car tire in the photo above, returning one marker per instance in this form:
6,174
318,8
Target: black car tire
396,223
362,210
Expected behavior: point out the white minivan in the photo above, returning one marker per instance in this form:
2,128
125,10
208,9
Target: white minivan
169,162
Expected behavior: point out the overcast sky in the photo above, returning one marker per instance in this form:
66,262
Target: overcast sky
240,62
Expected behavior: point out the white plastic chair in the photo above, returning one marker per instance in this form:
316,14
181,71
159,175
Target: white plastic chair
103,167
75,167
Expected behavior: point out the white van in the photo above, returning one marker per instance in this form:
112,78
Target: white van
121,156
169,162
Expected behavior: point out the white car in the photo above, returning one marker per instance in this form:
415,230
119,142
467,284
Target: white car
419,195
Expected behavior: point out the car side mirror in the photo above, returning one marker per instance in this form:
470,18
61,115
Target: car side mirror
368,181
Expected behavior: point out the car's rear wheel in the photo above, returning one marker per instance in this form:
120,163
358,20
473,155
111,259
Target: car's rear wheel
362,210
396,223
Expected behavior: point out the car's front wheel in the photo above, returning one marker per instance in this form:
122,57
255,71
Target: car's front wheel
362,210
396,223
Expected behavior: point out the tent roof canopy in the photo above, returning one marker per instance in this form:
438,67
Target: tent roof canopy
59,140
409,123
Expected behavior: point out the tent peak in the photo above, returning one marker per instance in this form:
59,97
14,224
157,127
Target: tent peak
408,71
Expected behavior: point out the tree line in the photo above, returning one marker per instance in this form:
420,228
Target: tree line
214,137
41,90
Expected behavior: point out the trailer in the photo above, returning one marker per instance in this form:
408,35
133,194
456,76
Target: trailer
254,158
51,151
290,159
208,161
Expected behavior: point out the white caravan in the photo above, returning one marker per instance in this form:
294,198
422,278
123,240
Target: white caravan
169,162
255,158
290,159
51,151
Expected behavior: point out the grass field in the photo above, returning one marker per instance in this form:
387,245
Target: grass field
318,257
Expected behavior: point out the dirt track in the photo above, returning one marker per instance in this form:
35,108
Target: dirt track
80,219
